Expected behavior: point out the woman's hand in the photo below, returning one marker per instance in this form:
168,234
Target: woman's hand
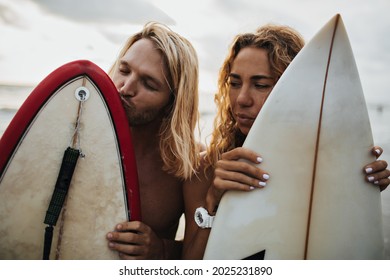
377,172
236,171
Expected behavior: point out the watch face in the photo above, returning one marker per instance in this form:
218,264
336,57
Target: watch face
199,217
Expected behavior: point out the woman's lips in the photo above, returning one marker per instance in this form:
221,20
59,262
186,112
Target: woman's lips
244,119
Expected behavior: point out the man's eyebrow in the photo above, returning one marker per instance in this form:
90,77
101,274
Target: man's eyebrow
122,61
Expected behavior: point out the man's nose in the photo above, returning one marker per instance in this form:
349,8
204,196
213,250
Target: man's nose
128,86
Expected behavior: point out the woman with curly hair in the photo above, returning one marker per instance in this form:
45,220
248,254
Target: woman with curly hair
253,66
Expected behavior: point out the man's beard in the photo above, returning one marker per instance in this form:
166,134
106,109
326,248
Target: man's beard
139,118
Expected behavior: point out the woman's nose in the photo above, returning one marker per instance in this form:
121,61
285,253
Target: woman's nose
244,97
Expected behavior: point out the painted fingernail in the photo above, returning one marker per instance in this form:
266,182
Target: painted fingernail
371,179
263,184
376,182
368,170
378,151
251,188
265,176
259,159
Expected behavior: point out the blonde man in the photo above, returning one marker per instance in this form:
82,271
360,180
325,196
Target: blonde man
156,75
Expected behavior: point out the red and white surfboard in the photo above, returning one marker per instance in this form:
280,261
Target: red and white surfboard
77,108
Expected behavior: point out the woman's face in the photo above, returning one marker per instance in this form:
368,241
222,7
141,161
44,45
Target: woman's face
250,83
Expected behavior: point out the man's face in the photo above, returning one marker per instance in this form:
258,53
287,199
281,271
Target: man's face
140,79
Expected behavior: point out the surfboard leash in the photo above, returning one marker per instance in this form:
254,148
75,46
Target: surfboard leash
61,188
69,161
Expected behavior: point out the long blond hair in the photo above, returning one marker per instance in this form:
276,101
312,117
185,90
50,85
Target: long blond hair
282,44
178,147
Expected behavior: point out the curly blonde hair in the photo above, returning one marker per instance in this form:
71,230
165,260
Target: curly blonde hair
282,44
178,147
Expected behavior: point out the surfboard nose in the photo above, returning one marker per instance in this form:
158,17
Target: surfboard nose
325,210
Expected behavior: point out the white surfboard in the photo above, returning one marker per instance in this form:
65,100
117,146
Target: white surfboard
315,137
76,106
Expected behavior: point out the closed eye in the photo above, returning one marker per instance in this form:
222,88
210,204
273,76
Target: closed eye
124,69
234,84
262,86
149,84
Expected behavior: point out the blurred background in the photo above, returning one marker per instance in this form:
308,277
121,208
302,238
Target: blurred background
38,36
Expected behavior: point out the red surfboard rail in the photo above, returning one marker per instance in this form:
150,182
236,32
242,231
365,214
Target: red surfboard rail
29,109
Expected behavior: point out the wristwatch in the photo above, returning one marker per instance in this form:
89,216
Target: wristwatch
203,218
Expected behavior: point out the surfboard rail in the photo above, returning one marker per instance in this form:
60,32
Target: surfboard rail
314,135
32,122
34,102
